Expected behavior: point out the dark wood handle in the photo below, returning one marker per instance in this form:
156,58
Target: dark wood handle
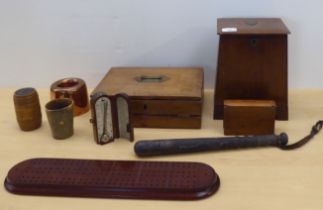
177,146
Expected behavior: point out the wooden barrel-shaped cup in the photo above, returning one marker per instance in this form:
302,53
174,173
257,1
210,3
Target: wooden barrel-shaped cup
27,109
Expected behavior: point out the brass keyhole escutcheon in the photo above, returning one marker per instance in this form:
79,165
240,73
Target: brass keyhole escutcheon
254,42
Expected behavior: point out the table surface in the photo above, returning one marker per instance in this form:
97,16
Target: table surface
264,178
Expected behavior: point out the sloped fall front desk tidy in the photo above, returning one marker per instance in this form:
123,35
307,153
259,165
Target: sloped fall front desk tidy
252,63
112,179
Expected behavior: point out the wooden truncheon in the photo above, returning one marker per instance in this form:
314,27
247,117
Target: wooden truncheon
159,97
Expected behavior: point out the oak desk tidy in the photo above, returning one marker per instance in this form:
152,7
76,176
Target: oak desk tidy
252,62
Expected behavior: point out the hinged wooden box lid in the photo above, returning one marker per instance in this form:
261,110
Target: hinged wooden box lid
160,97
256,26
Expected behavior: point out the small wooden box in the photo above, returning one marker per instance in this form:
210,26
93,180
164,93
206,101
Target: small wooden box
252,62
159,97
249,117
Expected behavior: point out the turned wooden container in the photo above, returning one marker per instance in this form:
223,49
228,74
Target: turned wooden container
72,88
27,109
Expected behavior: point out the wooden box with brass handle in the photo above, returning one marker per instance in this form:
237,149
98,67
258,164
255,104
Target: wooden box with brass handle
159,97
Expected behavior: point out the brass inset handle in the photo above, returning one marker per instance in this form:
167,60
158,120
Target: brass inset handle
151,78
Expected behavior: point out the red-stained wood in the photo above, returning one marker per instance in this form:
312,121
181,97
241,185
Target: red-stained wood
112,179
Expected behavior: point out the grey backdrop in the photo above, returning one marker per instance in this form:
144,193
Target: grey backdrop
45,40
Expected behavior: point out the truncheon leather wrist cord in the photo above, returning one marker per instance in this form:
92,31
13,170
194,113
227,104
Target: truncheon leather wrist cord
178,146
113,179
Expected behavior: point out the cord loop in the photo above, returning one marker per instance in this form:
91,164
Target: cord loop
315,130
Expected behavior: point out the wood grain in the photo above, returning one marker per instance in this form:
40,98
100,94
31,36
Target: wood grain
254,26
175,102
183,83
160,121
249,117
252,67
